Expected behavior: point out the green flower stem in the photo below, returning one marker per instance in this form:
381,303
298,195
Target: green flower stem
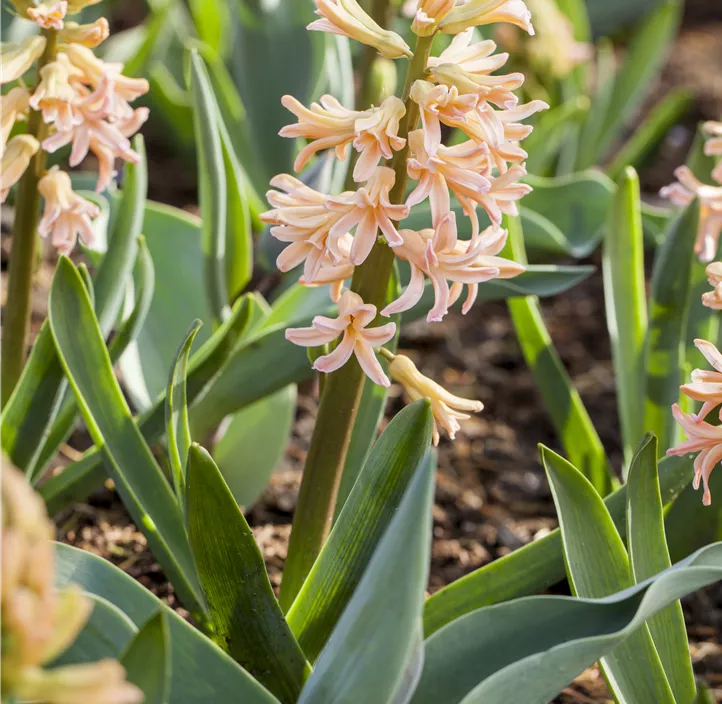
340,399
16,320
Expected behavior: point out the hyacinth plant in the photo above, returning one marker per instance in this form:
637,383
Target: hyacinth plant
431,198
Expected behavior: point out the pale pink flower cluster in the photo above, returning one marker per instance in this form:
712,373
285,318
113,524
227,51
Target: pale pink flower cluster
332,234
86,103
688,187
702,437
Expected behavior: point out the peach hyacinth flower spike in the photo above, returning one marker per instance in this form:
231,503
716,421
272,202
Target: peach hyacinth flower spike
704,438
353,318
706,385
444,405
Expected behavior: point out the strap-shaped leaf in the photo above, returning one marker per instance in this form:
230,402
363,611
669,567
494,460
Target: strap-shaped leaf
147,661
536,566
528,650
247,621
79,479
124,335
373,654
176,413
598,566
118,262
665,347
212,183
565,406
193,655
139,480
361,525
647,51
648,556
626,306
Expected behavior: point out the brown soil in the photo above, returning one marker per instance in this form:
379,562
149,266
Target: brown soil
491,495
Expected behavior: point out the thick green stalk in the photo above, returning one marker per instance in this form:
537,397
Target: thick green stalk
339,403
16,319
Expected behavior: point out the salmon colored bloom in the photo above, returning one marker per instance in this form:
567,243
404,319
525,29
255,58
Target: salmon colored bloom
334,274
54,97
349,19
439,255
706,385
15,160
713,299
353,318
459,169
703,438
301,218
13,107
90,35
682,193
469,66
101,127
95,69
67,215
439,103
16,59
49,15
368,210
373,132
444,405
505,191
428,15
482,12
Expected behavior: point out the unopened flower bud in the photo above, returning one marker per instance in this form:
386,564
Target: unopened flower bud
429,14
16,59
444,405
13,107
15,161
383,80
90,35
349,19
